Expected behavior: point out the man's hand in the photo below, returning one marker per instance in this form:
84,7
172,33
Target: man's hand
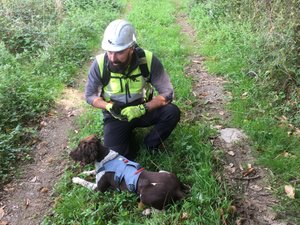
115,111
132,112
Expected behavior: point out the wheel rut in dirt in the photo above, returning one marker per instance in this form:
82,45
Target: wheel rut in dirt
252,198
27,199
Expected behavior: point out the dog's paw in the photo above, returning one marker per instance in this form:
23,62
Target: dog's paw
151,211
76,180
146,212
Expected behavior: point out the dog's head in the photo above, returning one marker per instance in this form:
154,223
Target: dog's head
89,150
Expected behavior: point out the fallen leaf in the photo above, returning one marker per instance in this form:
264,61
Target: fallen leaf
71,114
283,119
241,167
141,205
222,113
231,153
44,190
196,61
50,160
50,113
240,221
33,180
249,171
230,169
184,216
43,123
232,209
297,132
269,188
256,188
2,212
290,191
9,189
218,127
3,223
27,202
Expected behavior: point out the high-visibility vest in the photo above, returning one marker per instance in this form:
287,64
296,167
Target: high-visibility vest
134,87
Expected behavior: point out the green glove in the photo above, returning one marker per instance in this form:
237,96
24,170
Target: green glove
115,111
132,112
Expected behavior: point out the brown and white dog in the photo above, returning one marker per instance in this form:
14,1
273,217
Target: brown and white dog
155,189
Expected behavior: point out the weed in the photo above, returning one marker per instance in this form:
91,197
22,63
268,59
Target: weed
254,44
41,48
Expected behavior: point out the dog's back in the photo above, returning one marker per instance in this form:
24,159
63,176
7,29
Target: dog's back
159,189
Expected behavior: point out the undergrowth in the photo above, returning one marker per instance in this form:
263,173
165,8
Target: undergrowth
254,45
42,45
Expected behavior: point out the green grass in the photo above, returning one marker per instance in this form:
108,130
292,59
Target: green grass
188,151
233,47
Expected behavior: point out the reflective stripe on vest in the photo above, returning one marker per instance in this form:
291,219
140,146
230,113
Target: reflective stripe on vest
126,89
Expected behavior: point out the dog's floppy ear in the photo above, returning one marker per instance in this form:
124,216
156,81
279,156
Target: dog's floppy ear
87,150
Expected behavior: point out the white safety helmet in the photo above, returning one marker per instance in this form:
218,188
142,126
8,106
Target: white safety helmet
118,35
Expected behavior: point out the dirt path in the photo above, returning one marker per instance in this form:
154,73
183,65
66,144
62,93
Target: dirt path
27,200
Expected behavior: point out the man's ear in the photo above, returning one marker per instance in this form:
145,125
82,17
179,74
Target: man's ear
131,49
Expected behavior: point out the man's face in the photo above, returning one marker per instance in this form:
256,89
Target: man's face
118,61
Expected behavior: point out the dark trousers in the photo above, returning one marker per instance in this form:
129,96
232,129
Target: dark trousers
117,134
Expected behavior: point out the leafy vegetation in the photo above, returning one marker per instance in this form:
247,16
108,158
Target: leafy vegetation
42,44
255,44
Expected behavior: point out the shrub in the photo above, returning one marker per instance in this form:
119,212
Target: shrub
42,45
260,37
24,25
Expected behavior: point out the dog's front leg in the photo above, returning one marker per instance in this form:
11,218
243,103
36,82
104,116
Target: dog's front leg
87,184
88,173
105,182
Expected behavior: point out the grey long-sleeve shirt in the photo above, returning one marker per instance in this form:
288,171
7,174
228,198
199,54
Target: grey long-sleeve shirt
158,78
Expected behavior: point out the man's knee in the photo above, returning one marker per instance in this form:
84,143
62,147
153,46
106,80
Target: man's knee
171,113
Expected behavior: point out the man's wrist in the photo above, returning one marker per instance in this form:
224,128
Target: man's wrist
146,107
97,102
108,106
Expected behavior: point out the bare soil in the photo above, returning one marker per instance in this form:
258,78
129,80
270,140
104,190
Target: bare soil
28,198
253,201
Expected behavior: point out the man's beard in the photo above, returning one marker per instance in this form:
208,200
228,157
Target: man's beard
118,67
